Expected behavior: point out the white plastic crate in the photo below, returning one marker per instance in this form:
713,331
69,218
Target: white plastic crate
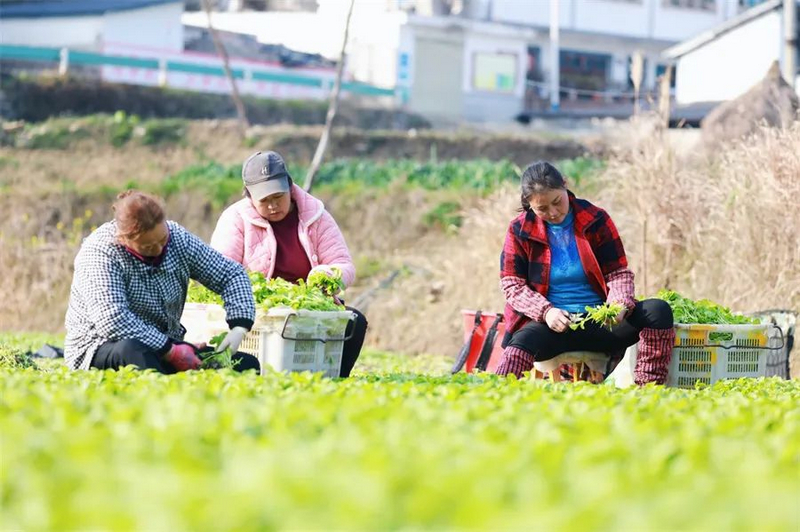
781,336
708,353
203,321
778,356
299,340
283,338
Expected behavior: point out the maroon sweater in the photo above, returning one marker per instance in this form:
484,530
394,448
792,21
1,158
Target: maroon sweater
291,261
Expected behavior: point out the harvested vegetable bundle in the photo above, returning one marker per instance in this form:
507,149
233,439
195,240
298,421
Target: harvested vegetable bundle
270,293
331,285
603,314
217,360
685,310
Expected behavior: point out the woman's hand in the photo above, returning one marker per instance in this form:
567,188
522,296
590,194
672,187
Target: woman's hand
619,318
326,278
557,319
182,357
232,340
324,268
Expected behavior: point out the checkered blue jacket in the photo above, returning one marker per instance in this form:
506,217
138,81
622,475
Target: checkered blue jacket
115,296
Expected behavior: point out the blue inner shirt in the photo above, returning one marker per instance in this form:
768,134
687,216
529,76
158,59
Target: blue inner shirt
569,287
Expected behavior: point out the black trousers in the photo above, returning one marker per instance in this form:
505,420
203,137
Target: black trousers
352,347
115,355
544,343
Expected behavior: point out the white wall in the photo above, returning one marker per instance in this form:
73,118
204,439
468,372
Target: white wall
645,18
493,105
405,62
474,44
158,27
728,66
304,32
438,72
73,32
607,16
531,12
373,40
678,24
373,48
313,33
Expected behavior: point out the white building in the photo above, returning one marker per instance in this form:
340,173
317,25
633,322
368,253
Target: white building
724,62
93,25
490,60
610,31
141,42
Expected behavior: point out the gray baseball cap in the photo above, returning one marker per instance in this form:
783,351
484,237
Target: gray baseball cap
264,174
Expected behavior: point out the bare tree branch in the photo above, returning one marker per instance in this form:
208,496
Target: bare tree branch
333,107
223,53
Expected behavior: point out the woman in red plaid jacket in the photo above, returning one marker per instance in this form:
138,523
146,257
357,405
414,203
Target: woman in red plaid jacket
560,255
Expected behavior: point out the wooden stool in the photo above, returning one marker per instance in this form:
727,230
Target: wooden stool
594,360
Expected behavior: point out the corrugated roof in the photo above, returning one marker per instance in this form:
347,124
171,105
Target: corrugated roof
72,8
743,18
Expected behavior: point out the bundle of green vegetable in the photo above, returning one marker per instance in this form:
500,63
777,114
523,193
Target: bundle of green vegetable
685,310
217,359
331,285
604,314
271,293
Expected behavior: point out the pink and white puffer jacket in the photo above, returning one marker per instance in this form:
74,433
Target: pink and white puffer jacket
244,236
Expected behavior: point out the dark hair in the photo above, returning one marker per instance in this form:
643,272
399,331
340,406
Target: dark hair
540,176
136,213
246,193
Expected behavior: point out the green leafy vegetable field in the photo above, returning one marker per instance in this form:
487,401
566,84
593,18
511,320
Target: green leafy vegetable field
213,450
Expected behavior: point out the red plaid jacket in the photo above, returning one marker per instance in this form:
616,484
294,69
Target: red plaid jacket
525,263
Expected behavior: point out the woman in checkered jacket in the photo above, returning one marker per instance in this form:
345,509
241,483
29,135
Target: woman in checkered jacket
560,255
129,288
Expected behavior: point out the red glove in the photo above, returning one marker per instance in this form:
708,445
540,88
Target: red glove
182,357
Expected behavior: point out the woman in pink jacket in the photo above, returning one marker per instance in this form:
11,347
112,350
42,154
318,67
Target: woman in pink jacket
281,230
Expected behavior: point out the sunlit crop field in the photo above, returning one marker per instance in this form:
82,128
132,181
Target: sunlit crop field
391,448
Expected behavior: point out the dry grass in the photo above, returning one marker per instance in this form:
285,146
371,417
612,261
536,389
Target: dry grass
37,272
40,239
94,162
443,274
723,227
